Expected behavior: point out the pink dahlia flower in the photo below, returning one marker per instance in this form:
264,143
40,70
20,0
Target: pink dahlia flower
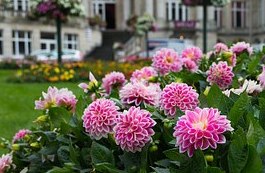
113,79
99,118
192,53
91,86
261,77
146,73
220,47
240,47
190,65
191,57
138,92
55,97
167,60
5,162
178,96
21,134
220,74
201,129
134,129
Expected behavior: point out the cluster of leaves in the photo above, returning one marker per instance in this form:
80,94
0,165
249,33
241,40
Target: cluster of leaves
59,143
73,71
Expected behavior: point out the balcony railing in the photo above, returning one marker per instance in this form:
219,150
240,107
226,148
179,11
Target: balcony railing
7,13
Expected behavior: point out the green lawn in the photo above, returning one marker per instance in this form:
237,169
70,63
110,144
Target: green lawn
17,102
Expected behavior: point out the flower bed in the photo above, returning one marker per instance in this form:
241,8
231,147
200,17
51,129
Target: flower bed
47,72
184,113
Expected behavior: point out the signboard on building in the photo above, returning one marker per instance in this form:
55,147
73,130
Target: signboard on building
190,24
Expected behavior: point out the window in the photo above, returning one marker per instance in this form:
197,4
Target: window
239,14
175,10
21,42
1,42
21,5
218,12
71,41
99,7
47,41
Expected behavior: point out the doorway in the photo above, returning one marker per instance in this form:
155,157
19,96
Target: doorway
110,16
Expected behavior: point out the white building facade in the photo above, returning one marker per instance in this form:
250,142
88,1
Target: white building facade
238,20
20,35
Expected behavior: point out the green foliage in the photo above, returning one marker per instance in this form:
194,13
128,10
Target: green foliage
60,143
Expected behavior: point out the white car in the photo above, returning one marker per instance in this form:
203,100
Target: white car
67,55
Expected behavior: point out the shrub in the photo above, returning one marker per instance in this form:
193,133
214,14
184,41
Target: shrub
196,126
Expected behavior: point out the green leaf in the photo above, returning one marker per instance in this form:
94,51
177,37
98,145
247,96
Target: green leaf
100,154
217,99
261,146
107,168
131,162
198,163
80,106
252,65
59,115
173,154
239,109
214,170
254,163
255,133
63,154
74,154
262,109
160,170
238,152
59,170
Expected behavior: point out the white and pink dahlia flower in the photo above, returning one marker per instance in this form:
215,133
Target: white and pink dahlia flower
191,57
134,129
145,74
112,80
139,92
21,134
220,74
261,77
167,60
5,162
99,118
220,47
241,47
201,129
178,96
56,98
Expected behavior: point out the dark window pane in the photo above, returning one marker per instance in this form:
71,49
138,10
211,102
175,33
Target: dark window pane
13,34
1,33
14,48
43,46
47,35
238,19
180,12
173,11
52,46
167,11
21,34
21,47
1,48
29,45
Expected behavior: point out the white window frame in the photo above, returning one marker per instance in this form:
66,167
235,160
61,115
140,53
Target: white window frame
243,10
25,5
49,42
218,11
26,40
96,7
73,41
170,4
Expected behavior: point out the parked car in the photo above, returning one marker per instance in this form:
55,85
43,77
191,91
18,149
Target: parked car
67,55
41,55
